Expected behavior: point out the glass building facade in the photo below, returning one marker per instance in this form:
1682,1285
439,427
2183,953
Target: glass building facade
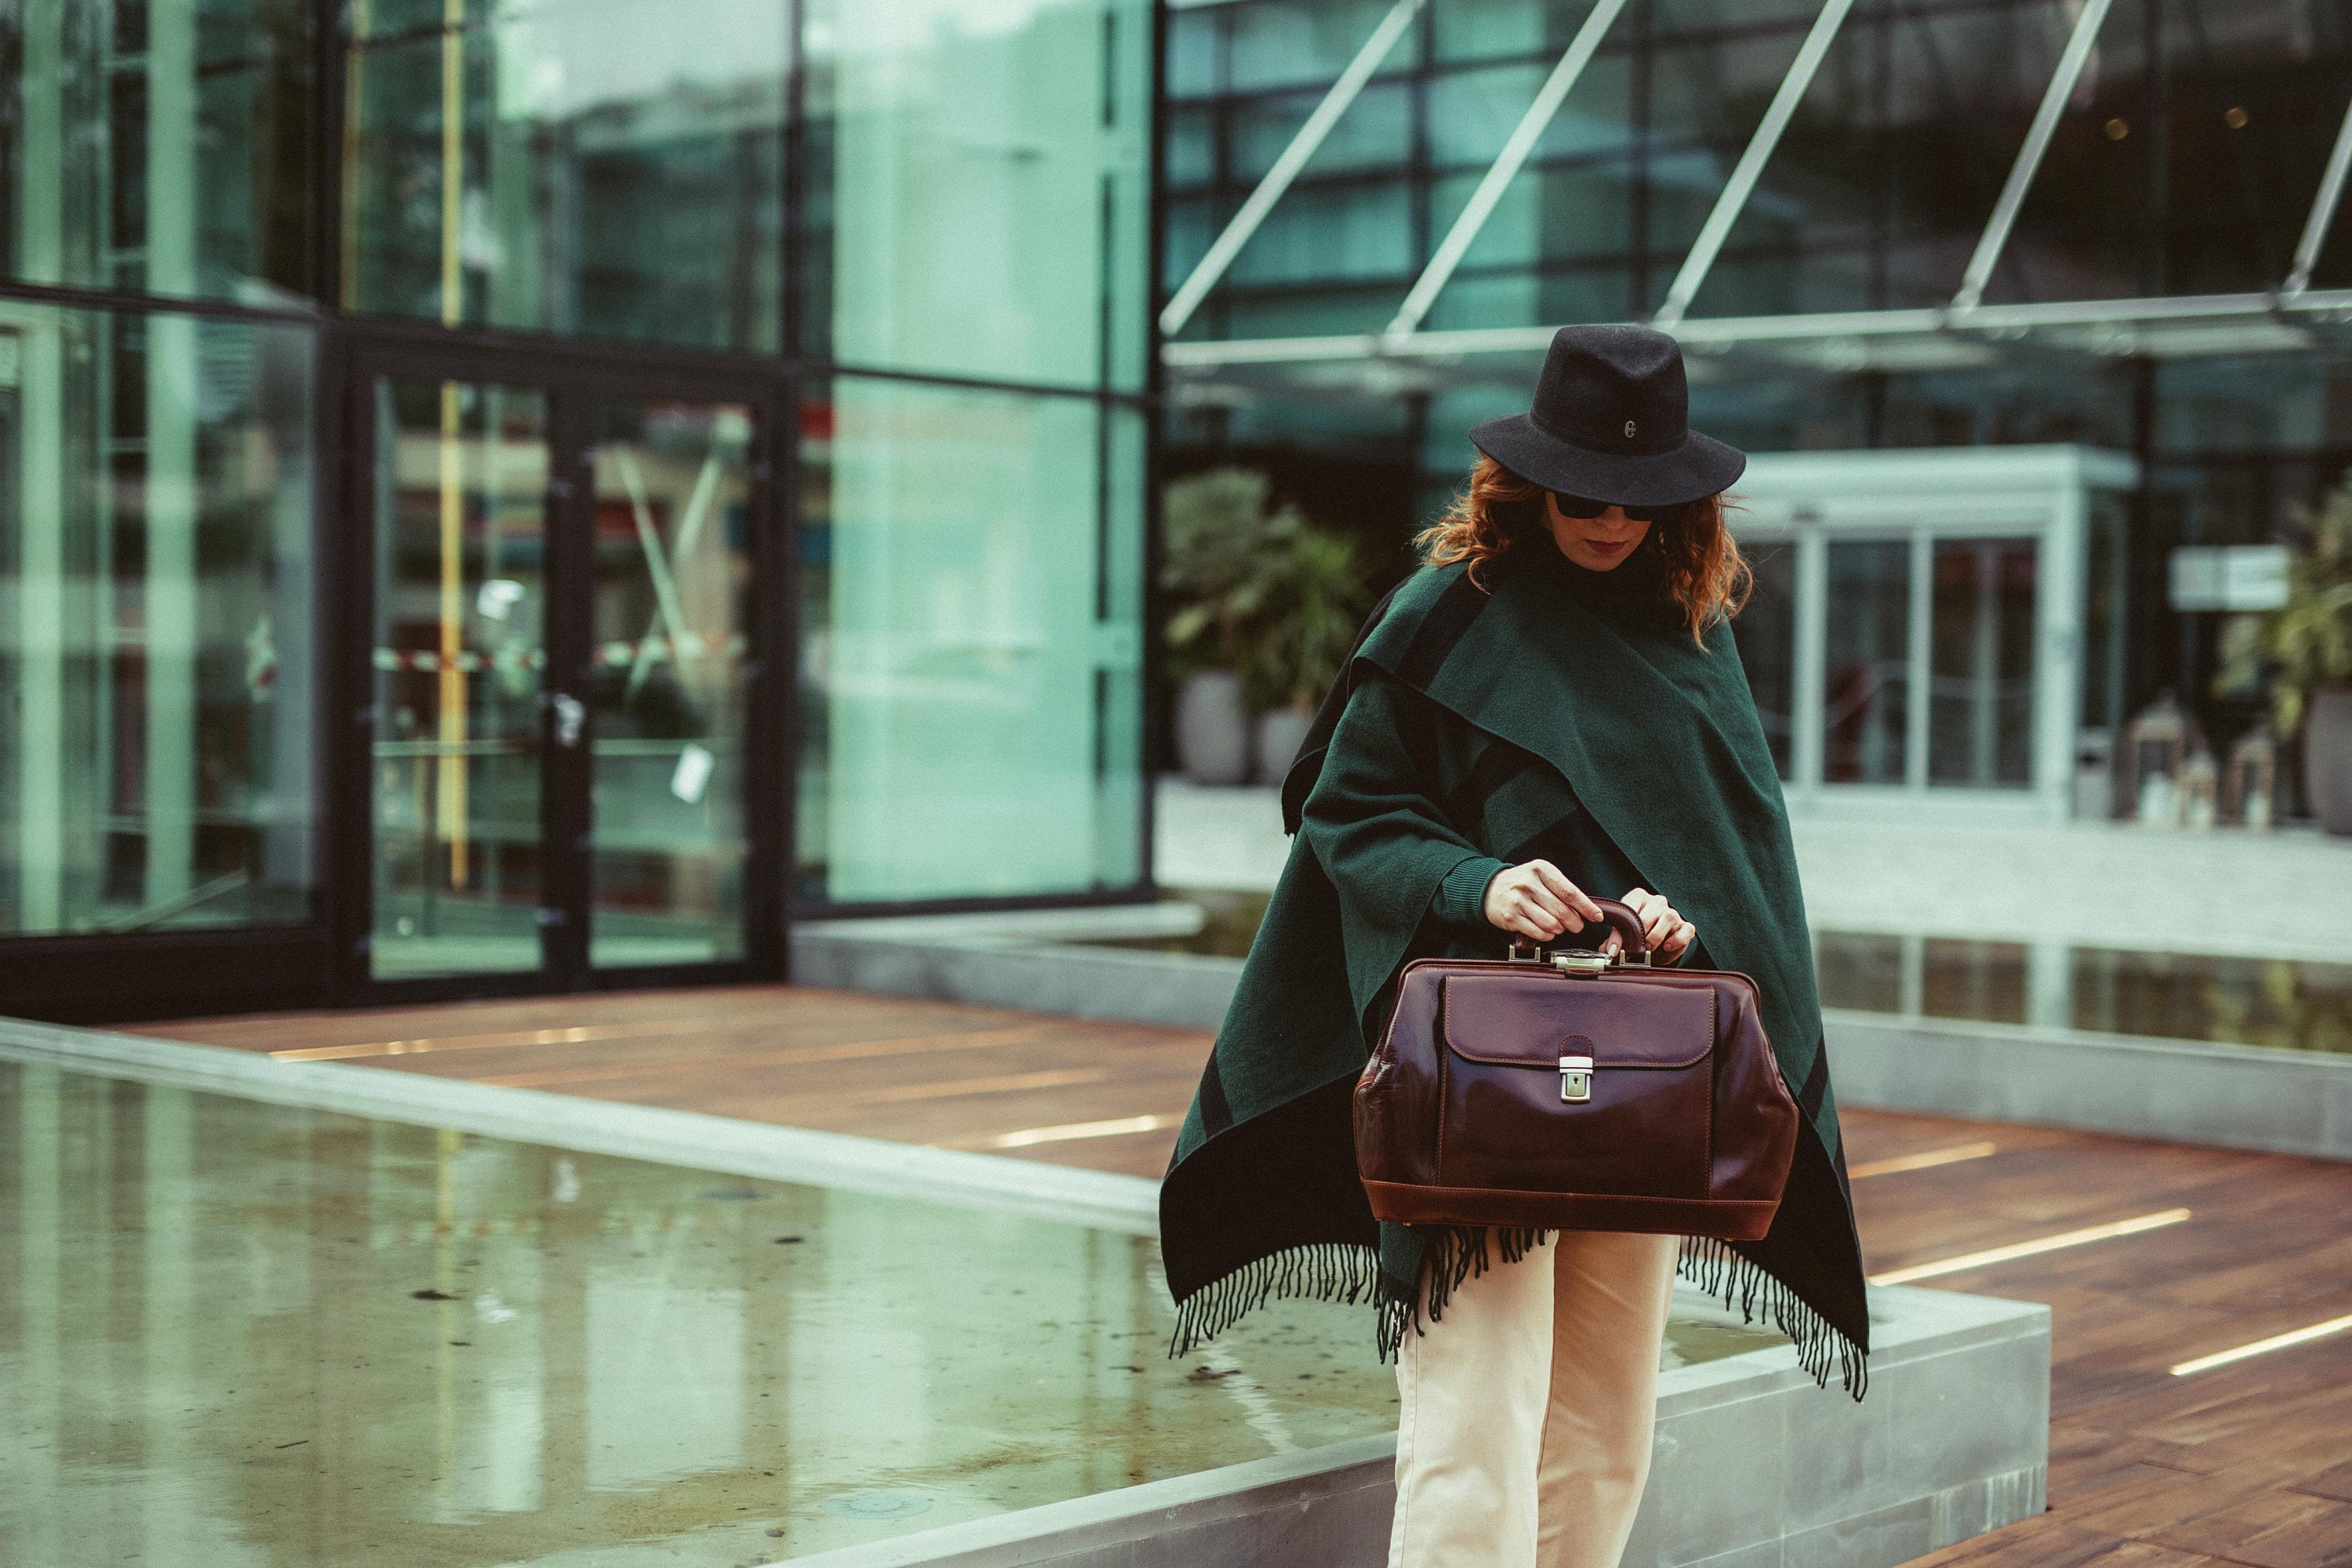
511,494
2169,292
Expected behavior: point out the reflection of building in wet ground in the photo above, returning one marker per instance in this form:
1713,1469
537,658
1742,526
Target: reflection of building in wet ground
2154,1257
2231,936
1922,873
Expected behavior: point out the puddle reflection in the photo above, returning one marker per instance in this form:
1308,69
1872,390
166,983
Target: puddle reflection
235,1333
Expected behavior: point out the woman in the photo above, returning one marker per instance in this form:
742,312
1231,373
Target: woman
1551,711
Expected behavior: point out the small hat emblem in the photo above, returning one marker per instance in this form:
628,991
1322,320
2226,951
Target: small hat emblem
1629,429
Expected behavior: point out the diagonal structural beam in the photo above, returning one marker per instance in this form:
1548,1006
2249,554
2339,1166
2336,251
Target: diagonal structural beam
1995,237
2323,208
1228,244
1506,165
1750,167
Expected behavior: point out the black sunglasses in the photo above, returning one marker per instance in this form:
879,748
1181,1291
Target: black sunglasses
1585,507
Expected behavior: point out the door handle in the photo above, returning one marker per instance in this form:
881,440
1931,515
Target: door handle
571,717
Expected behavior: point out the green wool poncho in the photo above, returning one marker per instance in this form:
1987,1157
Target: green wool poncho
1566,715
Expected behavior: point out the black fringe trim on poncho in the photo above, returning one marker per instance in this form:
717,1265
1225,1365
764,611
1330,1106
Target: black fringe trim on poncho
1348,1274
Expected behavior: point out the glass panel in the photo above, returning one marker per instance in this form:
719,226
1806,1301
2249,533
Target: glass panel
672,616
162,147
156,760
609,167
1980,721
971,715
1866,662
1011,135
1766,635
460,655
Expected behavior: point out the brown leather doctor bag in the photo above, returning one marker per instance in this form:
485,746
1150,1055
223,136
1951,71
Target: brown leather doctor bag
1587,1091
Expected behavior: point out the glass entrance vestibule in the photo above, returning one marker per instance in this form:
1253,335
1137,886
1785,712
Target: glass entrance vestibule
1929,624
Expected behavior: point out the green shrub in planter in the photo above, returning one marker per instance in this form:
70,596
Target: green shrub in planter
2305,646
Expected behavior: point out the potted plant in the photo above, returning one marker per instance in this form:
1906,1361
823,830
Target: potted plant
2308,644
1306,626
1220,538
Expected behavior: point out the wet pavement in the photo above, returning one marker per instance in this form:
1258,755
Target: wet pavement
236,1333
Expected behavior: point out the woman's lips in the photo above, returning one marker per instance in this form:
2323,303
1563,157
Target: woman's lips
1608,546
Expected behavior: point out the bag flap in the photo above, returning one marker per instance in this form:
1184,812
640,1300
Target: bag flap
1530,1019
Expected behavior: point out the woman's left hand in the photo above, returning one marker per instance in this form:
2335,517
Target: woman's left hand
1670,935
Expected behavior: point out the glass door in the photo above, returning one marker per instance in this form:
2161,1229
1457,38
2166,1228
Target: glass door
563,600
458,665
669,711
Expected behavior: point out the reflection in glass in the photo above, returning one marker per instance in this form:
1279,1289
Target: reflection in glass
1766,636
460,658
606,167
979,185
1866,662
1981,716
673,582
971,669
157,147
155,622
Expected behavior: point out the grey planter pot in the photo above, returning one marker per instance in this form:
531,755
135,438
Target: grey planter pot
2327,758
1212,729
1280,731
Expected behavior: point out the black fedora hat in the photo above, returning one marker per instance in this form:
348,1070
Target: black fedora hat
1611,423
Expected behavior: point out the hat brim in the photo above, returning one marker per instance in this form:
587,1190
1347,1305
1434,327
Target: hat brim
1701,466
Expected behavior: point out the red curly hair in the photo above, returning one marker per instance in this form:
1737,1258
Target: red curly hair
1705,573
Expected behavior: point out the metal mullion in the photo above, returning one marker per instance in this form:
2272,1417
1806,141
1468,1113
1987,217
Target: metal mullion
1733,200
2324,202
1505,167
1919,656
1261,201
774,725
328,130
346,732
1155,381
568,772
1995,238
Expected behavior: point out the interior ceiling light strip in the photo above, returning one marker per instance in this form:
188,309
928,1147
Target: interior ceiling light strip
1070,1132
1927,1159
1985,1258
2263,1347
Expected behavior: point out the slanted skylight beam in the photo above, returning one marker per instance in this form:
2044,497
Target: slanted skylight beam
2323,208
1506,165
1750,167
1995,237
1211,268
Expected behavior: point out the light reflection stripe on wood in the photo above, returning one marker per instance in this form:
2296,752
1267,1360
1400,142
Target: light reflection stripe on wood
1927,1159
1074,1131
1006,1083
2263,1347
1991,1256
793,1055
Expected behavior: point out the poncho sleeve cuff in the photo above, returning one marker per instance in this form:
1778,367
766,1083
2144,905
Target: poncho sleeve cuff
1462,897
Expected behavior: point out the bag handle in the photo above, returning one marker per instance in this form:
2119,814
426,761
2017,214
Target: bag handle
1633,939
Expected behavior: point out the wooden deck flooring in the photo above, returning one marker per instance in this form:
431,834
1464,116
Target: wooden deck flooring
2247,1464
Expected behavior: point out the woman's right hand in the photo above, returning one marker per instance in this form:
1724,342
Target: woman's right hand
1534,900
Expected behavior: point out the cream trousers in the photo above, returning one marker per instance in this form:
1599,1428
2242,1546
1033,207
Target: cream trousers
1523,1439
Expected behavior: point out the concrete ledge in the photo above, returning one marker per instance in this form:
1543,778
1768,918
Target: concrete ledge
2239,1097
1754,1466
2191,1091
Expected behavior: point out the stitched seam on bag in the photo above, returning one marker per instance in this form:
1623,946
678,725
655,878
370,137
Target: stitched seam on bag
1714,1066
